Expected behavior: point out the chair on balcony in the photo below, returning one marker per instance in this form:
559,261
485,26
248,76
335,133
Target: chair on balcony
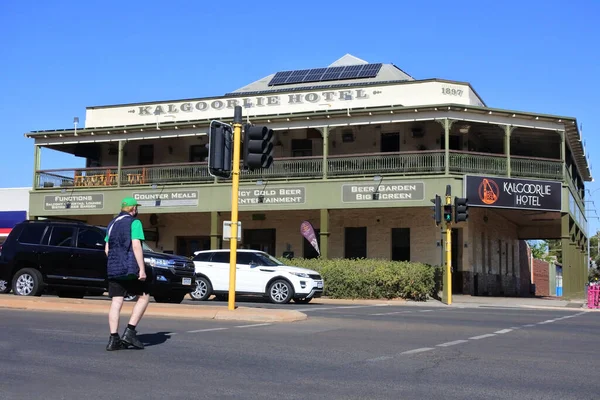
137,179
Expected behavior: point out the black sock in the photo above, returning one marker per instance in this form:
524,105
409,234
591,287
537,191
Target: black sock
132,327
114,334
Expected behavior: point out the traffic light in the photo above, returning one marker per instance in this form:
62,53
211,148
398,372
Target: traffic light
461,209
220,149
437,209
448,212
258,147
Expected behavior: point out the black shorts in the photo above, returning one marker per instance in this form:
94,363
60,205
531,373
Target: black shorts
123,287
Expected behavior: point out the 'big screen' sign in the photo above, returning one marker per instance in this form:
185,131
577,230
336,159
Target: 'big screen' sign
519,194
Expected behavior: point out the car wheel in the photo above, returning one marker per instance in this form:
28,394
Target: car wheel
173,298
304,300
4,286
280,292
28,282
203,289
130,297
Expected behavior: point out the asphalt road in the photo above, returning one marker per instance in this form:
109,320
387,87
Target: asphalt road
340,352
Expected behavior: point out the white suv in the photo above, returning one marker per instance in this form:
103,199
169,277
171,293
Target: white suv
257,273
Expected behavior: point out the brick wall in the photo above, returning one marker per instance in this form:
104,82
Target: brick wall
541,277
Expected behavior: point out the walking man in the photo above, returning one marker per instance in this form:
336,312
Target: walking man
126,273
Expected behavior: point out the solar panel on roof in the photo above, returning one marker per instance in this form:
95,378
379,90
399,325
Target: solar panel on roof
325,74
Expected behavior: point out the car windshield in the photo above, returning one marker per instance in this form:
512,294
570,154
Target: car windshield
268,260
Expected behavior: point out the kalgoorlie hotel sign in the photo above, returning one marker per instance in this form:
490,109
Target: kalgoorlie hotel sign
421,93
251,102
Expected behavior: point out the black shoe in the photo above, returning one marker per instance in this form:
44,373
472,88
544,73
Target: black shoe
114,343
130,338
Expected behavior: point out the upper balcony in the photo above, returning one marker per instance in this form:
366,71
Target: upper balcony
409,163
340,150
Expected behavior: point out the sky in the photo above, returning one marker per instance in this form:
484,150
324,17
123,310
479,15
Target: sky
60,57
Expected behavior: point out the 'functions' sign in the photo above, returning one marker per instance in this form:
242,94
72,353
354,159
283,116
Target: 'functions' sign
281,195
513,193
391,191
74,202
167,198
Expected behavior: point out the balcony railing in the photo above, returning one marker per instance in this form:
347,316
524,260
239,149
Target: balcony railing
400,164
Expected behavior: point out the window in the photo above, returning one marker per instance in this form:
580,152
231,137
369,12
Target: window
146,154
203,257
301,147
198,153
221,257
90,239
61,236
32,233
356,243
246,258
400,244
266,259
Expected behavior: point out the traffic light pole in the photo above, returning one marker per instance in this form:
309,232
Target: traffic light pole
235,186
447,292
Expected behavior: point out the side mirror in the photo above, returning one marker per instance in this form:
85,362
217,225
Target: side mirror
253,264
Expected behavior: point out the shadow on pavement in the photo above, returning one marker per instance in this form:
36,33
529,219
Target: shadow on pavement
153,339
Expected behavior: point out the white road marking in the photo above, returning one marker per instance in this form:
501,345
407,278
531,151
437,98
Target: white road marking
170,333
207,330
482,336
504,331
529,325
425,310
393,313
546,322
354,306
447,344
315,309
415,351
516,328
253,325
382,358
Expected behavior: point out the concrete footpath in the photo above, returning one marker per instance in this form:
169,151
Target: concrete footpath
191,311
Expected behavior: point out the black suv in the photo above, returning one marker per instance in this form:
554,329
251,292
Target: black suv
68,258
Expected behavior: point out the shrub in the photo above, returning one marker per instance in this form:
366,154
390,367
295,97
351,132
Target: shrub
372,278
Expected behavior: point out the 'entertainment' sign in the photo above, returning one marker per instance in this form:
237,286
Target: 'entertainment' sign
513,193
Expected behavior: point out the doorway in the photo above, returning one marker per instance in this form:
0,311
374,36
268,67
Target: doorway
355,245
187,245
457,272
308,250
259,239
390,142
400,244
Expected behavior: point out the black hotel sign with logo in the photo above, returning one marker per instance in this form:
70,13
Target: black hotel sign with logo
520,194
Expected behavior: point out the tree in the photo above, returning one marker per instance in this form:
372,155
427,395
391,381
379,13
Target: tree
555,249
539,249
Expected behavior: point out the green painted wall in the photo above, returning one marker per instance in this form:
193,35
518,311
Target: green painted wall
294,195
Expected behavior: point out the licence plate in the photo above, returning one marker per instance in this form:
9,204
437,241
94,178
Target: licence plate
186,281
320,285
